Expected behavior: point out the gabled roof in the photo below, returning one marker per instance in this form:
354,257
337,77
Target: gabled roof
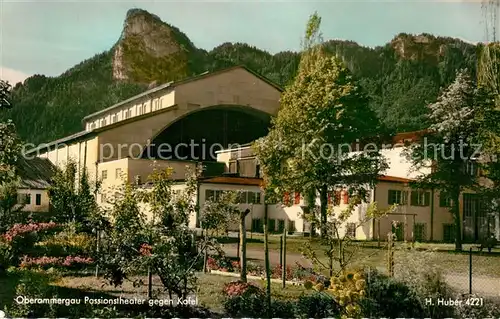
172,85
394,179
35,173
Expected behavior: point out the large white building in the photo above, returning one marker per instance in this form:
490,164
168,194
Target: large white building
233,106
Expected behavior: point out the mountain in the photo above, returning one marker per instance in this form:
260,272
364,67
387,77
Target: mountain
401,77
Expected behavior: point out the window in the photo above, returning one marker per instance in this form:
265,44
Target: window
420,198
115,118
257,225
243,198
156,105
104,174
448,233
233,167
92,126
143,109
257,171
345,197
397,197
444,200
297,198
350,230
291,226
272,225
103,198
118,173
286,199
209,194
398,229
281,225
336,198
419,232
254,197
38,199
24,199
103,122
127,113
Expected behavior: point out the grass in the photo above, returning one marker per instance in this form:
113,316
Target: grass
209,292
368,254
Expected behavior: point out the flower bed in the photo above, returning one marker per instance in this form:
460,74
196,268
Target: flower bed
19,230
48,262
295,273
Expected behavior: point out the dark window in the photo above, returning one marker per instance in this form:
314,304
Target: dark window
396,197
444,200
24,199
420,198
399,230
38,199
419,232
281,225
448,233
272,225
257,171
291,226
257,225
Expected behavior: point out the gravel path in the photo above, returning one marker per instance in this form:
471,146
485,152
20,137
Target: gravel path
482,285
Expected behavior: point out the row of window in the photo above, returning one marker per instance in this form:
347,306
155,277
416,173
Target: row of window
245,197
419,232
26,199
258,225
334,198
104,173
141,109
417,198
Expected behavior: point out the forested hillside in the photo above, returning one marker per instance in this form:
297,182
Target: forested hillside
401,77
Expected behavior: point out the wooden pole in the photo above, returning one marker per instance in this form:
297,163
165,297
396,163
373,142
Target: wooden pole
266,261
283,265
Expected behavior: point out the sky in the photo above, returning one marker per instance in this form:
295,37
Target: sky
49,37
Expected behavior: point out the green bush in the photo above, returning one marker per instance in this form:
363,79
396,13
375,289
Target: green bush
386,297
283,309
317,305
244,300
489,309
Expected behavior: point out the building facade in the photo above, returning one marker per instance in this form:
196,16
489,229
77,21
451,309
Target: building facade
212,118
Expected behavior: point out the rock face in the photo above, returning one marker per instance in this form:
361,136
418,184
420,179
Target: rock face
146,46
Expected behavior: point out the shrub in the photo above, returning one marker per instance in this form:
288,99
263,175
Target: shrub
67,243
424,282
387,297
277,272
48,262
283,309
19,230
317,305
489,309
6,256
243,299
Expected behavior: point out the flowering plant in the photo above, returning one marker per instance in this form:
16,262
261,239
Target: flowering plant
47,262
22,229
239,288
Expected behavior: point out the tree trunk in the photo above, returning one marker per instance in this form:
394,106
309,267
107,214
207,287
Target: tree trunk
323,198
458,225
266,260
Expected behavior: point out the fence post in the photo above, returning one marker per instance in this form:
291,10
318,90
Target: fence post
390,254
281,250
238,247
150,283
284,257
470,271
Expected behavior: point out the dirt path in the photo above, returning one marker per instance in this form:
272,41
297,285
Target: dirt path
483,285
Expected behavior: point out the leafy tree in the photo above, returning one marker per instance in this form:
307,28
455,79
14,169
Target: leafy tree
450,143
71,198
323,112
339,248
221,213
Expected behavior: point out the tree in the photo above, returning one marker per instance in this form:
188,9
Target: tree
339,246
73,199
5,89
323,114
221,212
450,145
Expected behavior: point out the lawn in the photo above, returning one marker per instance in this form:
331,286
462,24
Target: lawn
369,254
